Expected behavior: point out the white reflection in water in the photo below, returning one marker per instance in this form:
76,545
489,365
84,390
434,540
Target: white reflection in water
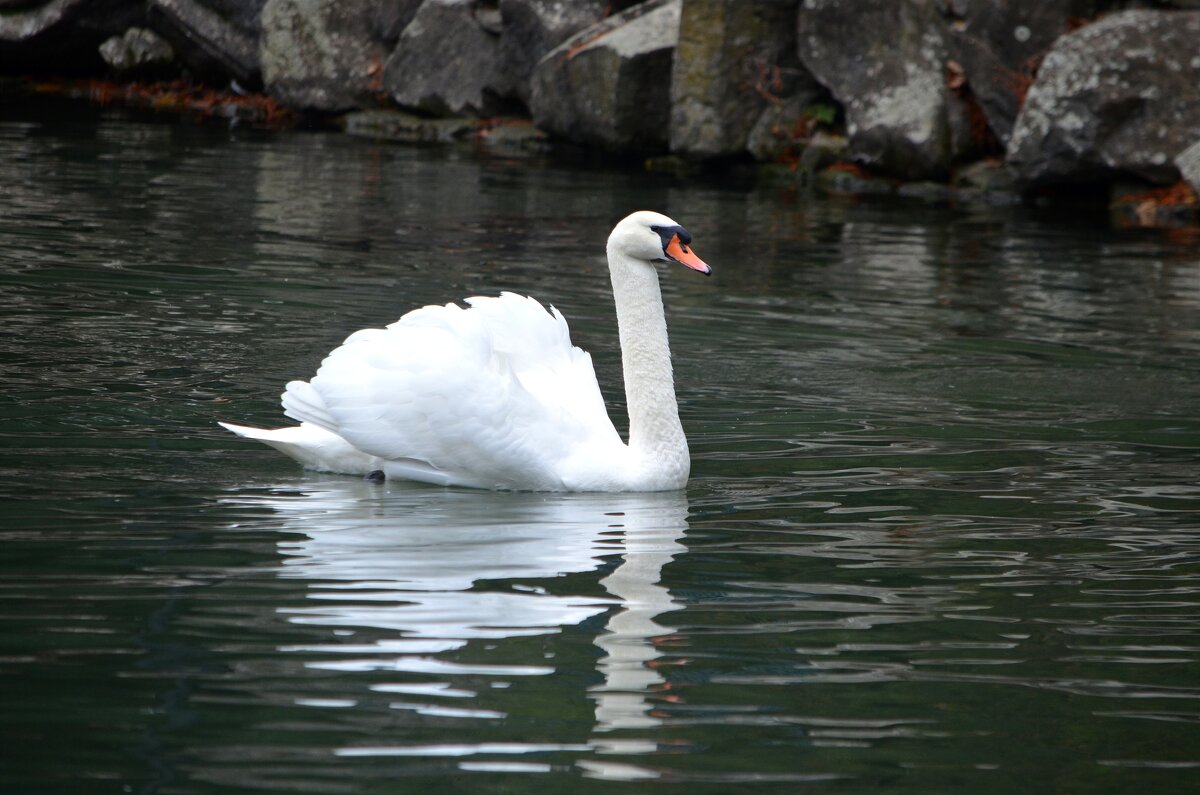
436,567
628,651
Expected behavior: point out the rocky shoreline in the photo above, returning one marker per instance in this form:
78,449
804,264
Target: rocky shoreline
932,98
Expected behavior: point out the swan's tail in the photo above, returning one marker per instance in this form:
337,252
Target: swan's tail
315,448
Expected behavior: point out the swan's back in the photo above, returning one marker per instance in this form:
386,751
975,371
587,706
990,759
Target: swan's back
494,396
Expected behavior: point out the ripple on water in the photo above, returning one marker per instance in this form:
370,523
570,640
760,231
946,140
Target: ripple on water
939,535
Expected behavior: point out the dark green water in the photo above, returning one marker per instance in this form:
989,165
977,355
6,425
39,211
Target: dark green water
943,532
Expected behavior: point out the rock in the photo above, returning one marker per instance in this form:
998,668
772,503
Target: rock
447,61
1000,43
780,130
532,28
509,136
328,55
806,158
676,166
389,19
610,84
986,181
1188,163
736,70
821,151
395,125
1121,95
848,179
984,175
885,63
61,35
217,40
139,54
512,136
926,191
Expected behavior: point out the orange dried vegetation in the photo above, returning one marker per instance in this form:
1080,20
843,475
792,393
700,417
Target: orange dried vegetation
178,97
978,127
850,168
1180,194
1159,207
375,73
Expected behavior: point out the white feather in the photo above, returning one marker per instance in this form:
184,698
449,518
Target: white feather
313,447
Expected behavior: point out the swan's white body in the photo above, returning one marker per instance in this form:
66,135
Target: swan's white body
496,396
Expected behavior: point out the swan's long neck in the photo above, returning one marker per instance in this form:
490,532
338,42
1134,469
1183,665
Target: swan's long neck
655,434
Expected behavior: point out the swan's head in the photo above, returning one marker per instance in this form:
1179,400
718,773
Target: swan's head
653,237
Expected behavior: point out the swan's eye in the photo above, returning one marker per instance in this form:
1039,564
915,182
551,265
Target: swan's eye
669,233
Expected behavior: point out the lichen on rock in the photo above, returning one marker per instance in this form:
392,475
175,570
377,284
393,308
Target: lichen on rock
885,63
1119,96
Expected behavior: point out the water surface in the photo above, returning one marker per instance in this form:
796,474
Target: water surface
941,534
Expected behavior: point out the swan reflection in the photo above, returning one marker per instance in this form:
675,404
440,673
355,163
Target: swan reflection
438,569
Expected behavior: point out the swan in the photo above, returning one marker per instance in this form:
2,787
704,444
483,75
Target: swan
495,396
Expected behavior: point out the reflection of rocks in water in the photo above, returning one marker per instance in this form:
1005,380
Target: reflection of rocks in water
373,214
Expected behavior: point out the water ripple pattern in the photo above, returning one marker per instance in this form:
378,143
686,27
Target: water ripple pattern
941,534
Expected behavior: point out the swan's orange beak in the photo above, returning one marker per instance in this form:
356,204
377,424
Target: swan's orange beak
678,251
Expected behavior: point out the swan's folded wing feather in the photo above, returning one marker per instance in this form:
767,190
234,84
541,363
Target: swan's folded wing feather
303,403
536,343
495,394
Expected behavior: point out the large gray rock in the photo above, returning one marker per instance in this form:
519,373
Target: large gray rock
217,40
61,35
447,60
1000,43
885,62
735,62
328,55
1121,95
610,84
532,28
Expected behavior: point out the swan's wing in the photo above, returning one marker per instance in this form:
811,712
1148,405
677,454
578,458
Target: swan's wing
493,396
537,344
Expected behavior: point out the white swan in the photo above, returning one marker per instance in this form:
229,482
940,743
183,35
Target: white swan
496,396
